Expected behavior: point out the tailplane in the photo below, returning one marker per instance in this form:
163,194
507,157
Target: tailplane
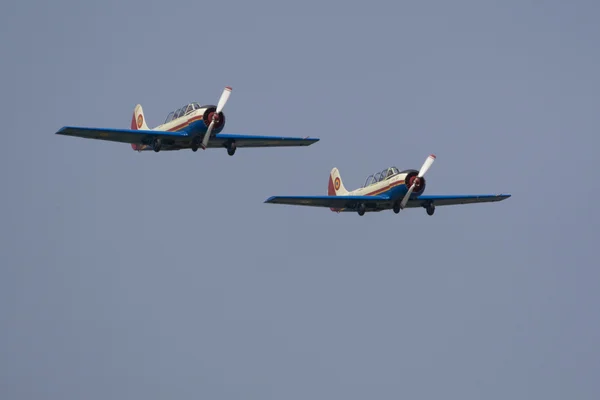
138,122
336,186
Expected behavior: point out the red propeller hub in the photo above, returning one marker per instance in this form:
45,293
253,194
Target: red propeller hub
219,119
213,116
417,181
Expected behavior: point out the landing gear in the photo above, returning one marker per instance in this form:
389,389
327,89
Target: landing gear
156,144
194,148
231,148
396,207
361,209
430,208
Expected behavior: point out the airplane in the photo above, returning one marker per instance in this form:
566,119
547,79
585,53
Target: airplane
388,189
192,126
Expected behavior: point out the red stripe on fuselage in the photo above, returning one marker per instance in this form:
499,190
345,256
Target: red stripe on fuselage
373,193
384,189
184,124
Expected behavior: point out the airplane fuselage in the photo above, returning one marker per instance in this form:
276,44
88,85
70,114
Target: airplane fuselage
394,187
194,123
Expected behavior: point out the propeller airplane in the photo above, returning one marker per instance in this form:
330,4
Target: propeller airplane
388,189
191,127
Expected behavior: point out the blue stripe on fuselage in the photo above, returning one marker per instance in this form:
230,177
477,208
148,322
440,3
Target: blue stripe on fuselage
199,128
397,192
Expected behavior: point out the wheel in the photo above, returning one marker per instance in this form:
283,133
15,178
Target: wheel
430,209
156,145
396,207
361,209
194,148
231,149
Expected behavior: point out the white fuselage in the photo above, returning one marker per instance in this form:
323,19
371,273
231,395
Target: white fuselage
386,185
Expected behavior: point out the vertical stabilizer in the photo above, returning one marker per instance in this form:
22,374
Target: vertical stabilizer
336,186
138,122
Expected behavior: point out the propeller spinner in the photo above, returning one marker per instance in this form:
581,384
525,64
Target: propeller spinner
417,180
224,97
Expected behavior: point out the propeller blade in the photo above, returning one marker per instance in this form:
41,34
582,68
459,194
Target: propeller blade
424,168
222,101
207,135
426,165
224,97
407,196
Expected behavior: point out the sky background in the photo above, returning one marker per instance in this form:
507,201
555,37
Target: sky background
164,276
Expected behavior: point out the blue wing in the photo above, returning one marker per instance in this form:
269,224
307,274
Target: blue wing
333,202
450,200
181,140
122,135
221,139
378,203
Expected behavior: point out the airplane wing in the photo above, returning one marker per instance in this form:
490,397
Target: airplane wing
181,140
349,203
120,135
336,202
220,139
450,200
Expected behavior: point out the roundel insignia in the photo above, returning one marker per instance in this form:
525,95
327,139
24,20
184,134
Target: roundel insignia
140,120
337,183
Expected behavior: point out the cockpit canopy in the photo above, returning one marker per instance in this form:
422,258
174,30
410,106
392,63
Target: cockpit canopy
185,110
381,176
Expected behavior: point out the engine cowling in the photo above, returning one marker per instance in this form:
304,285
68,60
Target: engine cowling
207,117
411,177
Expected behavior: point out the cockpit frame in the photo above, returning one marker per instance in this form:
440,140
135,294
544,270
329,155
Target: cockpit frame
185,110
381,176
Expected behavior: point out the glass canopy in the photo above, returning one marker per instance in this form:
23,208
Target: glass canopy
381,176
185,110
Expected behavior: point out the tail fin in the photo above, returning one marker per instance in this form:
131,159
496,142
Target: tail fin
138,121
336,186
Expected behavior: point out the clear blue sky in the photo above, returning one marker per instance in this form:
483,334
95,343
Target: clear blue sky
161,276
